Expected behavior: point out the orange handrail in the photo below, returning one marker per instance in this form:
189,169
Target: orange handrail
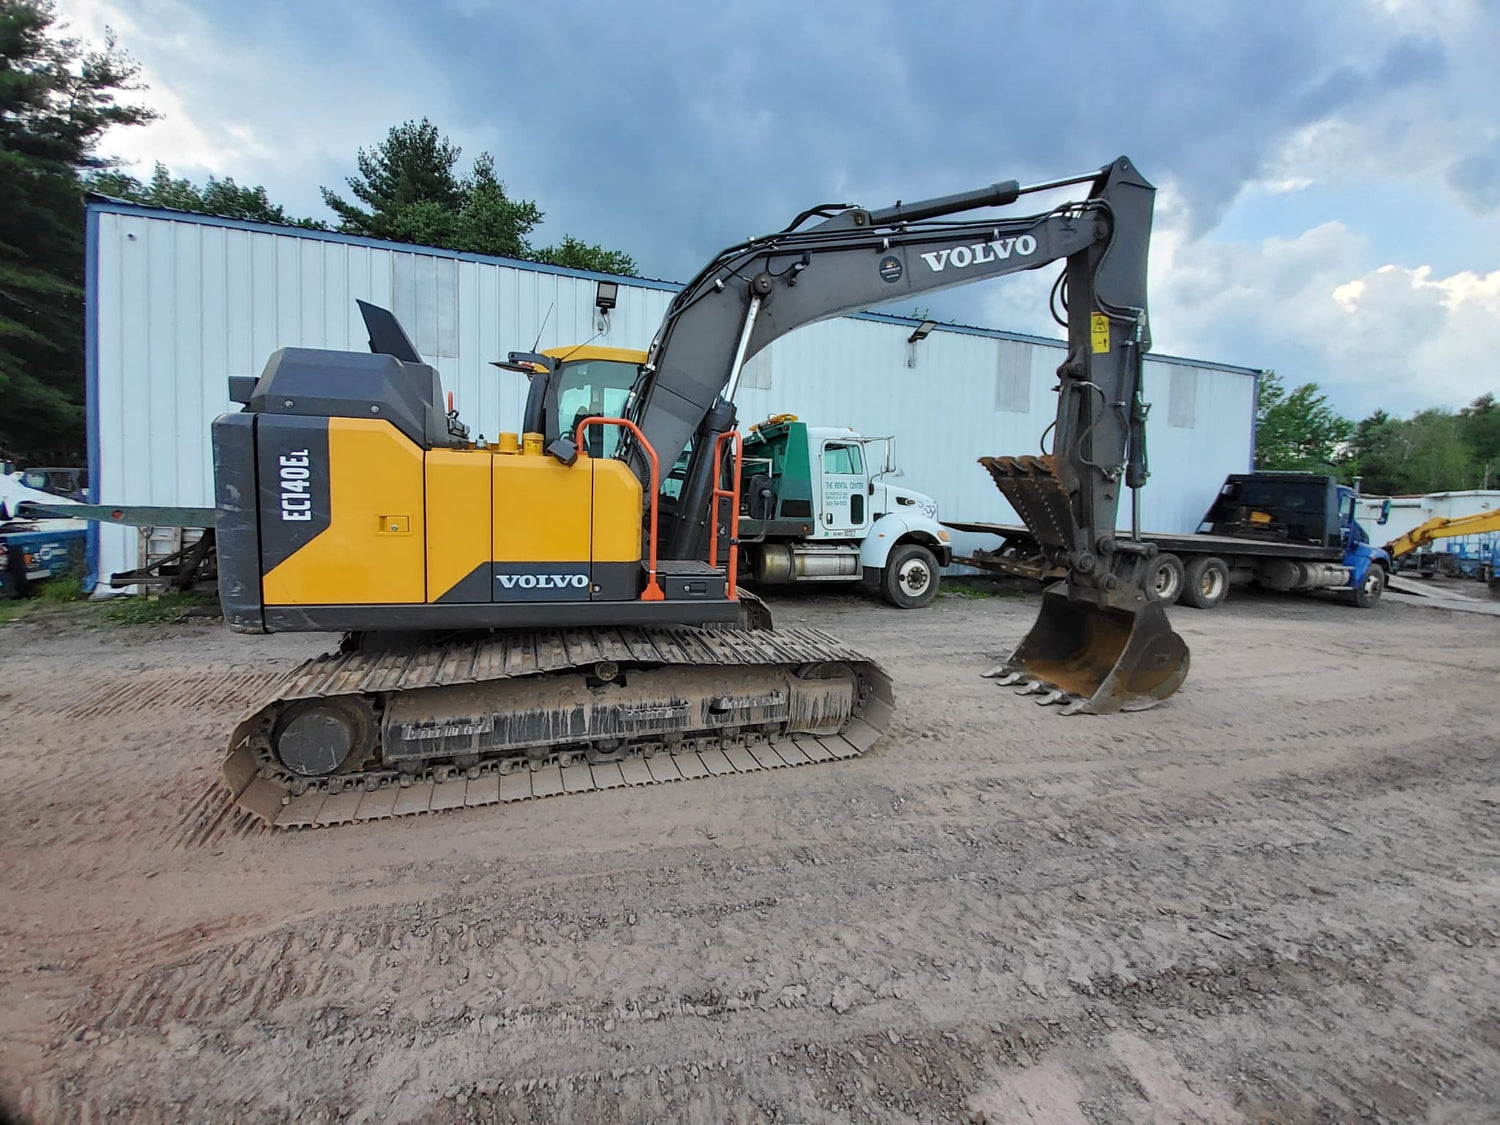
652,592
731,494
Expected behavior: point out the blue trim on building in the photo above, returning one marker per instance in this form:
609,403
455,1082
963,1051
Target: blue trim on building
104,205
91,382
1027,338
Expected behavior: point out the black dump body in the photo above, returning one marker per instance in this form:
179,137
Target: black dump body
1291,508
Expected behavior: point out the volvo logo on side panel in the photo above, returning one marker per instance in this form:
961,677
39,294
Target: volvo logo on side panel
542,582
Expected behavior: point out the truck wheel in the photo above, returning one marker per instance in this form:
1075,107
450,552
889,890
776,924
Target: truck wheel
1368,592
1164,578
910,578
1205,582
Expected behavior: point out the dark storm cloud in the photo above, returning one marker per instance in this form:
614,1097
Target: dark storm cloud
671,129
1338,137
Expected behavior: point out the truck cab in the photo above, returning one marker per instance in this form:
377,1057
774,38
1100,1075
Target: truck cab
816,506
1294,510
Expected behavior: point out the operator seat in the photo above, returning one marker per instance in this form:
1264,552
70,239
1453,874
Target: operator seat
593,437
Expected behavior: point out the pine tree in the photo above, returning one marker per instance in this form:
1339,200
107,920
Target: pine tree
57,98
224,197
412,192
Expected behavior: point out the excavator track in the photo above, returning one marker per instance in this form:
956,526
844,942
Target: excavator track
514,717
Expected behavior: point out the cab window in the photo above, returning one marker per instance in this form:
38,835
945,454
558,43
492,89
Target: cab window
843,459
593,387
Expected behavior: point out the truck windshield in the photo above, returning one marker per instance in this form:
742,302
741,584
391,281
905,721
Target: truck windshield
593,388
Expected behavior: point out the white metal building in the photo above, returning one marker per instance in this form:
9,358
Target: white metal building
177,302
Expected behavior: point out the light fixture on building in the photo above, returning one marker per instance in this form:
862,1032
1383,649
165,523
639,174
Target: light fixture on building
920,332
606,295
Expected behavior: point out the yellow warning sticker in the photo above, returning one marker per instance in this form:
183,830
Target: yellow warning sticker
1099,329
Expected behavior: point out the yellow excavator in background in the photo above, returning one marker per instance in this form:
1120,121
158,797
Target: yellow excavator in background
1444,527
542,616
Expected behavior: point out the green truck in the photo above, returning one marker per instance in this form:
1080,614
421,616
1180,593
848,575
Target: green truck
815,506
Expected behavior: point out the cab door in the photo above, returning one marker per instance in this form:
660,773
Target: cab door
843,490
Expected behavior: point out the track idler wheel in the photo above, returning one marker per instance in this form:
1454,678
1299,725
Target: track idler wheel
318,737
1096,657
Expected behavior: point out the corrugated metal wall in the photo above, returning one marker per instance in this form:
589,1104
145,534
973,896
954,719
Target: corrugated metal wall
969,395
178,303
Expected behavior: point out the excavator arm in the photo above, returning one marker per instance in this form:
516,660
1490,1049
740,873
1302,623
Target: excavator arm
751,294
1099,644
1441,527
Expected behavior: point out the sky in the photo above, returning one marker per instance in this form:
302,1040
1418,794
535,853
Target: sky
1328,170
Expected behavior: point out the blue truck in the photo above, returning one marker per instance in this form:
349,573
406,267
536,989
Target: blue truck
33,552
1282,531
35,547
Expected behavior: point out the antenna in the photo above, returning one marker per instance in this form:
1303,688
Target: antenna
543,328
574,350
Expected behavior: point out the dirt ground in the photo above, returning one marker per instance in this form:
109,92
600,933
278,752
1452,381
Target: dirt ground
1275,898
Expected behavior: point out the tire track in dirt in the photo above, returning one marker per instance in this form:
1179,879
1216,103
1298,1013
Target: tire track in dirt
1278,885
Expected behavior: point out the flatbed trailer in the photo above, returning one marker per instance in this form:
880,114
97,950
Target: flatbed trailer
1299,533
195,564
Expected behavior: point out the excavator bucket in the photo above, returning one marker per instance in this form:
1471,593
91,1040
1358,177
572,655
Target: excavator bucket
1092,657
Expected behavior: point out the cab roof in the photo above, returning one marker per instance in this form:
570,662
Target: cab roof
579,352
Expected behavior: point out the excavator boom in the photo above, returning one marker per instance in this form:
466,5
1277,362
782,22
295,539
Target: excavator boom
1441,527
1100,644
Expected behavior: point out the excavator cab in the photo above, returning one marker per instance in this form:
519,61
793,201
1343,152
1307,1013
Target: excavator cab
590,382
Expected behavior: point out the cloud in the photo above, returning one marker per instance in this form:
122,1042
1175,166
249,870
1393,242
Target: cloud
1314,308
673,129
1476,178
265,102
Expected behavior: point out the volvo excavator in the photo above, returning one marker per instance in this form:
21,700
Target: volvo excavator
538,616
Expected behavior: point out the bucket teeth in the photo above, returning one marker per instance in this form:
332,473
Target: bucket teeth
1004,678
1094,653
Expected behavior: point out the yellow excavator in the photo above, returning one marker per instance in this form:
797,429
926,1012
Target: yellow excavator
541,616
1442,527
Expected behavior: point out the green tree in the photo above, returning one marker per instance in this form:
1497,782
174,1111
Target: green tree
1297,429
489,221
218,197
1434,450
1438,460
411,191
1378,451
573,254
57,98
1479,429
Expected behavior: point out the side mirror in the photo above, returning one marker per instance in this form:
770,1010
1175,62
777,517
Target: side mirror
1385,512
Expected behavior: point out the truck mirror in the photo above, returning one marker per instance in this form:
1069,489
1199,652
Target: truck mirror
1385,511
